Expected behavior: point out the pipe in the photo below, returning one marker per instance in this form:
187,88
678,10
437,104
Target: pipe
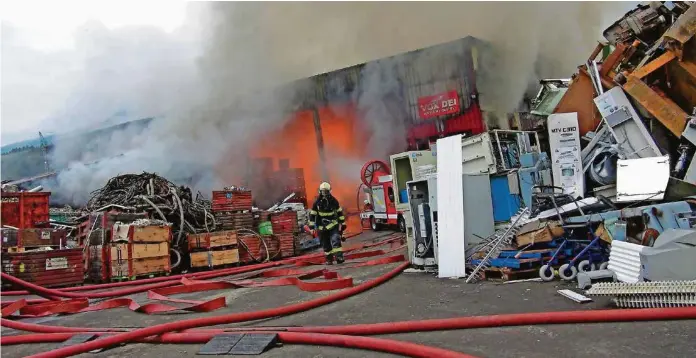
224,319
367,343
200,275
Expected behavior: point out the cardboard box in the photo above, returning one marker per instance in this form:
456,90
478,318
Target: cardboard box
546,233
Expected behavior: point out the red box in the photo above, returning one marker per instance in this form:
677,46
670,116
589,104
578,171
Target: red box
232,200
25,210
46,268
285,222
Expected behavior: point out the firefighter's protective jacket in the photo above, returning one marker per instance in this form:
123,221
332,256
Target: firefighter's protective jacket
326,213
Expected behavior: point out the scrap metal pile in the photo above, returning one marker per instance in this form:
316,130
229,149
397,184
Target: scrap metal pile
622,139
161,198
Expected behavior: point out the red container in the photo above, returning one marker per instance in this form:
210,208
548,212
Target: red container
285,222
25,210
46,268
287,244
234,220
33,237
250,246
232,200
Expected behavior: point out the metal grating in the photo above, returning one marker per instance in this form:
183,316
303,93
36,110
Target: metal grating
656,294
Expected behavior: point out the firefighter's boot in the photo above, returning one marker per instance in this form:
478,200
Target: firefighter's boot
339,258
329,259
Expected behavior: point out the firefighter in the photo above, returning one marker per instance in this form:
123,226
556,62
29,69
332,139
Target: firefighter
327,218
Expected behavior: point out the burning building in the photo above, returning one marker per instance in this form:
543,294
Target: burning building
344,118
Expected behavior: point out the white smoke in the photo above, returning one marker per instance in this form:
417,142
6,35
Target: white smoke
209,83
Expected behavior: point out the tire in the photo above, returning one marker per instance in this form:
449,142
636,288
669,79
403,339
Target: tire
373,224
585,266
563,272
401,224
546,273
604,265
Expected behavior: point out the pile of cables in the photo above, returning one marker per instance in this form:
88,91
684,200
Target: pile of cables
159,197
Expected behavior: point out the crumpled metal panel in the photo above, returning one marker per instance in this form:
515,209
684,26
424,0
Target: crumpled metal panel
624,260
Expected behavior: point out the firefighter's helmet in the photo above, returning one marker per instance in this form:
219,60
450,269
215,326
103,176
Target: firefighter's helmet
325,186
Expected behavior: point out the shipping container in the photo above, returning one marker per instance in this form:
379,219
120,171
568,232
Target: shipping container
24,210
212,240
55,268
213,259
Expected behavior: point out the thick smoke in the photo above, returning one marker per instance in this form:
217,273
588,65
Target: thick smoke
210,82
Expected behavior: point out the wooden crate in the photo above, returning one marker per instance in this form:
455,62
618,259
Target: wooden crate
214,258
129,250
132,233
134,268
212,240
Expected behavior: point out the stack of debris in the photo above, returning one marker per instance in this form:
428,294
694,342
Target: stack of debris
286,230
621,137
232,208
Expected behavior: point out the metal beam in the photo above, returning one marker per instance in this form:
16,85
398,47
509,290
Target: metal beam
320,144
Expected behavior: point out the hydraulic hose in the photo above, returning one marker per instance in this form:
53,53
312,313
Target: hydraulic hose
224,319
367,343
198,275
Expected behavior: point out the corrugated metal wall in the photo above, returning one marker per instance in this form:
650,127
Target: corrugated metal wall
420,73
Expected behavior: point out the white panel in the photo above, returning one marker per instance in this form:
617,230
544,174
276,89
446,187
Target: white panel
450,203
566,162
642,179
624,260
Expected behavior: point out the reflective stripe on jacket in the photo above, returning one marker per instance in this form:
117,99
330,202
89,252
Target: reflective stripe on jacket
326,213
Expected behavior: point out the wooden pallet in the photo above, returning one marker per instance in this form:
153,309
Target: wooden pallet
133,278
507,274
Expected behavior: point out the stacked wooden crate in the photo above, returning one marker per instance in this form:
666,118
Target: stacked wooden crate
95,235
285,229
139,251
232,209
252,250
213,249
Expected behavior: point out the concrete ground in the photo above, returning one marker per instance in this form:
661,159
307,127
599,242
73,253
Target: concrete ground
411,296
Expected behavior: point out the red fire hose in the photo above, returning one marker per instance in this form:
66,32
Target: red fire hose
196,275
372,344
224,319
504,320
